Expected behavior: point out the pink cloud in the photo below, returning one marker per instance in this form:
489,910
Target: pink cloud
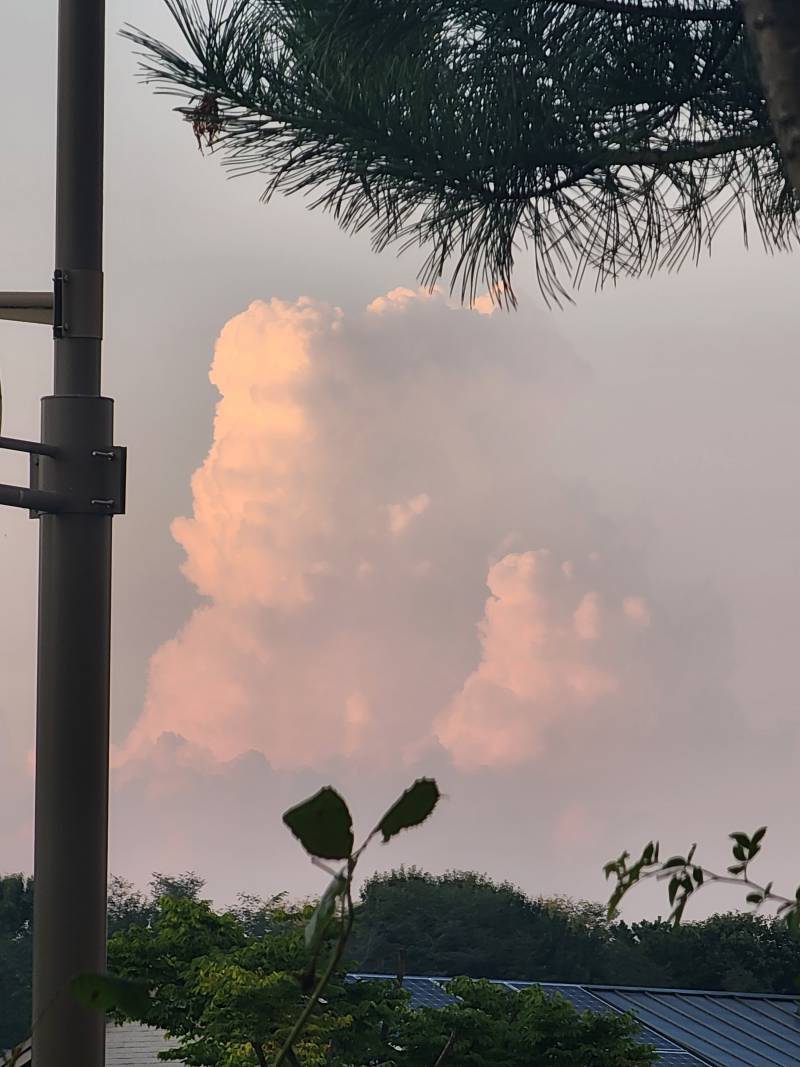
256,511
325,631
636,610
402,515
586,617
535,668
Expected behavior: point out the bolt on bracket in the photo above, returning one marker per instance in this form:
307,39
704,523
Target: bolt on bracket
87,476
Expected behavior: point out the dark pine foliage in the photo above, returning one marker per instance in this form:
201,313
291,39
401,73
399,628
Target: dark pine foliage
606,136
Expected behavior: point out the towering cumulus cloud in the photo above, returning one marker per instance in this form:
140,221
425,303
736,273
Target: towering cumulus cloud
386,564
542,662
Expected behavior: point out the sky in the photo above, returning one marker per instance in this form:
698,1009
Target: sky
551,558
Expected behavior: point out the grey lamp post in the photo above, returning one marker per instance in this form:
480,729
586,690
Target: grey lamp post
77,485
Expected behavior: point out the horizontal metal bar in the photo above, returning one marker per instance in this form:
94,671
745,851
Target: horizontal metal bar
35,448
27,307
16,496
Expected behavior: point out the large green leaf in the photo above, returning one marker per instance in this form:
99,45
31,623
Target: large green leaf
318,923
413,807
107,992
323,825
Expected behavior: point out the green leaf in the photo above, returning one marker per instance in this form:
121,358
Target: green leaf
736,868
413,807
323,825
318,923
743,840
674,861
107,992
754,898
758,836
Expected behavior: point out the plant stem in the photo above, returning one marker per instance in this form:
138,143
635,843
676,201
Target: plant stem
446,1049
346,926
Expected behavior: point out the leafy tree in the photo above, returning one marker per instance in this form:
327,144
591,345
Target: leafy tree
234,1000
186,886
756,951
127,906
418,923
16,903
16,958
607,135
492,1025
258,916
231,999
736,952
462,923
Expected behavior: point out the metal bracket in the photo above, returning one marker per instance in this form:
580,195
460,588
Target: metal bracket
27,307
85,479
100,473
78,304
17,496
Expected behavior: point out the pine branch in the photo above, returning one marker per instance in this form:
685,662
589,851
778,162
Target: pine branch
657,11
605,141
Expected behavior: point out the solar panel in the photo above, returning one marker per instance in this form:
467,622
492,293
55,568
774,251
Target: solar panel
585,1000
679,1059
427,993
716,1026
578,997
424,992
687,1028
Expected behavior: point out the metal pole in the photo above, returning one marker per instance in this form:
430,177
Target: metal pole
70,861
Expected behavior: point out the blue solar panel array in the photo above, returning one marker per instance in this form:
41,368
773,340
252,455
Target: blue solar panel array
584,999
688,1028
728,1030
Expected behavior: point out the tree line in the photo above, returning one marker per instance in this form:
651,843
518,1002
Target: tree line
456,924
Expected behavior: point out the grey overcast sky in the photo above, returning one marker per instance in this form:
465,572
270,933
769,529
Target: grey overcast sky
550,557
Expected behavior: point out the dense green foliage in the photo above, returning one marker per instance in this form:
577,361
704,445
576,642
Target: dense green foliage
454,924
16,920
736,952
462,923
492,1025
231,999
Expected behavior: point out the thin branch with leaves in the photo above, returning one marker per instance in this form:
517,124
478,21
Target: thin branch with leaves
684,876
324,826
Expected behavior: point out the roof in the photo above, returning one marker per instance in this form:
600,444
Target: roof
133,1045
689,1028
127,1045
